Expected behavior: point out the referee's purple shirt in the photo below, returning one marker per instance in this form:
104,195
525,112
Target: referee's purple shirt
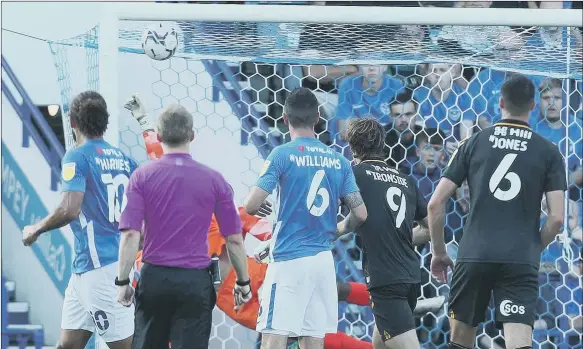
176,196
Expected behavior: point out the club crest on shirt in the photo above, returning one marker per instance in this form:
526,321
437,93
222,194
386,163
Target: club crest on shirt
265,167
454,113
68,171
385,108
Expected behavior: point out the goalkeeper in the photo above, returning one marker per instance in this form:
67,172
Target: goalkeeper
351,292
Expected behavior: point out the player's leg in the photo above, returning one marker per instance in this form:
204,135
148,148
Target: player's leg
471,287
340,340
353,292
515,296
357,293
73,339
321,315
392,308
283,302
192,318
403,341
76,324
113,322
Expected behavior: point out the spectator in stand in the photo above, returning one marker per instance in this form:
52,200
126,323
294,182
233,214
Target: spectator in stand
552,124
445,105
484,91
426,166
367,94
401,131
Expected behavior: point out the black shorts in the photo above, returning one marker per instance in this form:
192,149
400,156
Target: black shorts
514,287
173,305
393,306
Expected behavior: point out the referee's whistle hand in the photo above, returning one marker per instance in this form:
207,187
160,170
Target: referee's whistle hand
242,295
125,295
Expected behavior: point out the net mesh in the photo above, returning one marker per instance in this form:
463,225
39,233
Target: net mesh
235,78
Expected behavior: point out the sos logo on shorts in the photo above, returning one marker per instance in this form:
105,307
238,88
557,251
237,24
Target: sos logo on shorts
508,308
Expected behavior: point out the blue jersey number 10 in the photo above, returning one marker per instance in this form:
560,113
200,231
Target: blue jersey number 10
115,204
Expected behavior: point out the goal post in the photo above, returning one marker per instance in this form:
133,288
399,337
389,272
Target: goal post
235,65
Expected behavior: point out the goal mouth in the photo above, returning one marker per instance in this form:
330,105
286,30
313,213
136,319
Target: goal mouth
235,74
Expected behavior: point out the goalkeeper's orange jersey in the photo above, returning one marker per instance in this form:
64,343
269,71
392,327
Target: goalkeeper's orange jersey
247,314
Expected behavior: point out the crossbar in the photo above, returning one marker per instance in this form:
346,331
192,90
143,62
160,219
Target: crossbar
150,11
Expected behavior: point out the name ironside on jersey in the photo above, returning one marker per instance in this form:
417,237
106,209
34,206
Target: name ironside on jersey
499,139
392,177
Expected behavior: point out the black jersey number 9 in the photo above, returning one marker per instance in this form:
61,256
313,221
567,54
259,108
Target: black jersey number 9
399,208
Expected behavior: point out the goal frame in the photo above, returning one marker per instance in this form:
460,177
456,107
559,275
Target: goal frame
114,12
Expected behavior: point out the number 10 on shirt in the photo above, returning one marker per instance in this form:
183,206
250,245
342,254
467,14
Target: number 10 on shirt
114,204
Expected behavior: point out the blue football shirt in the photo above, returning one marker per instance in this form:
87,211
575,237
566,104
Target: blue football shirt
354,101
484,90
102,172
445,115
569,144
310,179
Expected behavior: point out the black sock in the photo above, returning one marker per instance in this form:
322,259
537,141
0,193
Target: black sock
456,346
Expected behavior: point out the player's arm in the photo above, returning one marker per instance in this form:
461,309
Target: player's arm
453,177
140,112
355,217
230,227
421,231
272,170
351,198
555,187
74,176
130,225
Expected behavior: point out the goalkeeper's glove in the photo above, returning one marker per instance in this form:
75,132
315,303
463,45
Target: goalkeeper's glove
262,252
139,111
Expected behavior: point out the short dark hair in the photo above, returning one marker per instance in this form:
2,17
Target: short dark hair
518,94
89,113
429,135
366,137
175,125
301,108
403,97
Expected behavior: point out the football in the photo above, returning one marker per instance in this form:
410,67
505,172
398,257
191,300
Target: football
160,41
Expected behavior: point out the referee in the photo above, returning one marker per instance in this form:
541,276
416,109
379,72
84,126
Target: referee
176,197
508,168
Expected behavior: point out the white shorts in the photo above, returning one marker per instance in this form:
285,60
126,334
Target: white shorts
91,304
299,297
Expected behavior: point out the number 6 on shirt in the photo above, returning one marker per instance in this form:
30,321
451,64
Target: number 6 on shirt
315,191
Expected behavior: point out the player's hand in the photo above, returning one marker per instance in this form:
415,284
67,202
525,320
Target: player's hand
439,267
125,295
29,235
139,111
262,252
264,210
242,294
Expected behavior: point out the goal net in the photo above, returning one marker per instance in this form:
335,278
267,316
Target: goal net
431,76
